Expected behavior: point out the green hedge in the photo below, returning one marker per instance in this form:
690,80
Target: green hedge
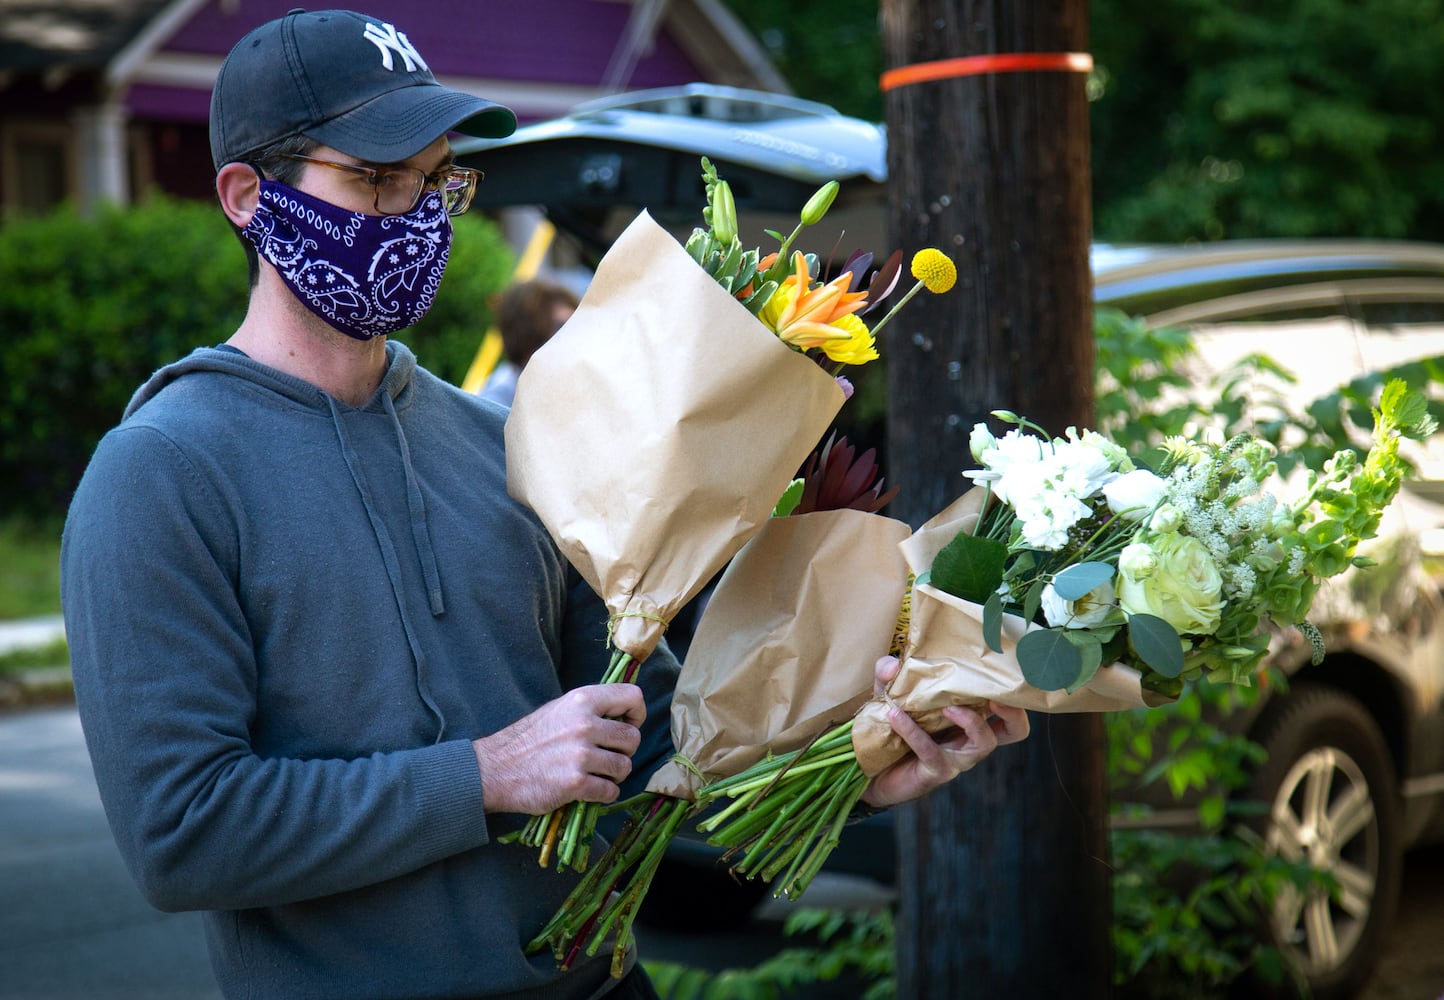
92,306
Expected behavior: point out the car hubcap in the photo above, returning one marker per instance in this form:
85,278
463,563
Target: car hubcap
1324,815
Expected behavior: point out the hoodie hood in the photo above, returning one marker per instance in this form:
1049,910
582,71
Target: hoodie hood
400,369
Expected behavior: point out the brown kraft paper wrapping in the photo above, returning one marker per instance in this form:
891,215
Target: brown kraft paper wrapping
788,644
655,432
946,662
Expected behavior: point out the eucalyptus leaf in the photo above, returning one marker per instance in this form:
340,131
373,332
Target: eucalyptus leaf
1033,600
1049,661
1090,648
970,567
993,622
1156,643
1081,579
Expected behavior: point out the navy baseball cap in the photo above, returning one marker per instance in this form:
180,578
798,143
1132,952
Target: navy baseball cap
351,82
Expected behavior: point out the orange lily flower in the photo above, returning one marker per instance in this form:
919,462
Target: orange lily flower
809,317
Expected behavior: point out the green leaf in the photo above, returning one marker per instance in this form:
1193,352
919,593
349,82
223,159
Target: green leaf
1033,600
791,497
993,622
1049,661
1090,649
1156,643
1081,579
970,567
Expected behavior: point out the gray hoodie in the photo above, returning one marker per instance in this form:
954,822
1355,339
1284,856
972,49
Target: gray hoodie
288,617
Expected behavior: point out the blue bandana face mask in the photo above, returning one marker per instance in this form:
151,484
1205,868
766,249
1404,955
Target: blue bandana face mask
366,275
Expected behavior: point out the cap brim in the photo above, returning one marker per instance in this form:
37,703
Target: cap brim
401,123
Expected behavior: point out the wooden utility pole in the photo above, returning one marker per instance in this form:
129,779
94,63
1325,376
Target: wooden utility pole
1003,875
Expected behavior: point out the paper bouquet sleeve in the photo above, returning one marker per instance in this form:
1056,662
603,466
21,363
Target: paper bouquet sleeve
788,644
655,432
946,661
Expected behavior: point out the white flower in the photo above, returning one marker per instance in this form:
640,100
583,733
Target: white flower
1184,588
1133,495
1080,468
1013,450
1116,455
1094,608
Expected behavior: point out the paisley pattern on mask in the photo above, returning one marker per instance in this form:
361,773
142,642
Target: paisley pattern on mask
366,275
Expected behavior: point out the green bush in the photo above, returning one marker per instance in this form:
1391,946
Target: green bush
94,305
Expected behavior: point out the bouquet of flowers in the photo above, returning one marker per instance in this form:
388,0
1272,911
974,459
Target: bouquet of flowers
782,652
1163,576
701,370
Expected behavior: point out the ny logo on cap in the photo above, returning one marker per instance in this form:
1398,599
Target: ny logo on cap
389,40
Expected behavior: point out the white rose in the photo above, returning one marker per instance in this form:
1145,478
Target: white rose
1134,495
1096,607
1185,588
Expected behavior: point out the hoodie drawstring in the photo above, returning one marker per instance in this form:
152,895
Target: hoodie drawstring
416,505
421,538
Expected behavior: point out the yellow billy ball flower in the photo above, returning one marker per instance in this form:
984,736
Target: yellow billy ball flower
933,268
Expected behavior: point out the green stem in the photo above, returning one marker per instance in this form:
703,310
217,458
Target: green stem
797,884
898,305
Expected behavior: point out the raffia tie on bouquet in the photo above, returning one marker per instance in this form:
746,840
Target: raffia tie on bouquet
652,436
947,662
785,650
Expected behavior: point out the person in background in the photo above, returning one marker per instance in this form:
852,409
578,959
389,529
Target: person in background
323,662
527,315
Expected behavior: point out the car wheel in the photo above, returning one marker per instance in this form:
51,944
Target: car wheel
1333,801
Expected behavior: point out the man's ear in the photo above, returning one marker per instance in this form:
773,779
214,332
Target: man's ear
239,188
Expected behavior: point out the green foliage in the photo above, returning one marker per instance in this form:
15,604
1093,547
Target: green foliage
51,654
1287,118
1209,120
93,306
856,947
1187,906
829,50
30,580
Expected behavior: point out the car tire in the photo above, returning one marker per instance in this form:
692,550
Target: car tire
1333,799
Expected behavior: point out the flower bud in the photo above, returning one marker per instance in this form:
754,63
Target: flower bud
980,441
1166,519
1137,560
724,214
819,203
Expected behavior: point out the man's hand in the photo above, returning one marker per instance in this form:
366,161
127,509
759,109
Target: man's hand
574,749
935,761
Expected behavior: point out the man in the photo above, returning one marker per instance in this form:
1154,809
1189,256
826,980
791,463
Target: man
324,663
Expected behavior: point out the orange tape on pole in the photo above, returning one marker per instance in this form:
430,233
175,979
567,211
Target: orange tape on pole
1003,62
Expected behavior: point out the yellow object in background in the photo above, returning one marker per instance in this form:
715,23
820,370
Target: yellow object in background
488,354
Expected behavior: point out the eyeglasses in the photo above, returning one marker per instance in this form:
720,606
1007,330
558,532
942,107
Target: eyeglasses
396,190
